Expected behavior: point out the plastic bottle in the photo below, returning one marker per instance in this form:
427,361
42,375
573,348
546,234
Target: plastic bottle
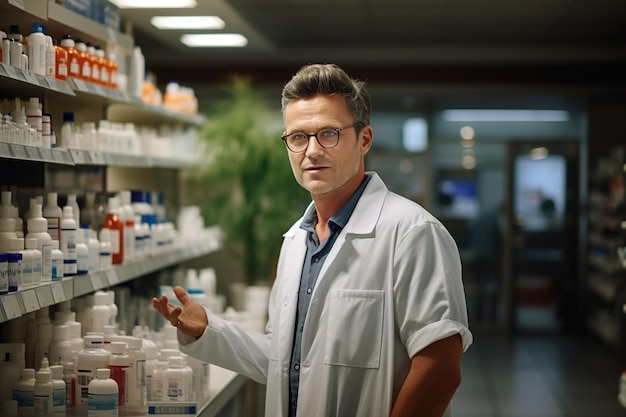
43,390
60,349
34,117
7,233
59,402
32,334
113,71
120,370
46,131
26,264
24,392
114,223
90,358
57,265
14,269
137,395
51,66
61,62
16,54
68,242
178,380
93,244
129,225
94,61
4,273
101,313
151,352
103,395
82,254
85,62
104,68
73,56
38,229
31,245
44,339
37,50
73,202
106,261
11,364
53,214
158,389
113,308
68,137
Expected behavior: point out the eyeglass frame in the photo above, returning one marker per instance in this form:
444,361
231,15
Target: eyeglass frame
336,129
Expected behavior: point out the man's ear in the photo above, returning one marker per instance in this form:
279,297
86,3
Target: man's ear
367,135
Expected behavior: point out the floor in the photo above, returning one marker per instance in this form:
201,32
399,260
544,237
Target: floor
539,374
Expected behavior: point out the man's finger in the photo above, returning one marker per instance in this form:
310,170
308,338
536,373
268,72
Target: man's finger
182,295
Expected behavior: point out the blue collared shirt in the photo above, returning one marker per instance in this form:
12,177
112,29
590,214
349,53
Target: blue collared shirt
316,254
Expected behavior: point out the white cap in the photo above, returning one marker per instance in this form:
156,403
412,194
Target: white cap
68,212
134,342
101,298
17,243
177,361
28,373
118,347
53,198
74,329
166,354
5,197
103,373
93,340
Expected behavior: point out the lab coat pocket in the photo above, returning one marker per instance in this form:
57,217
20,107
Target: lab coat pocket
354,333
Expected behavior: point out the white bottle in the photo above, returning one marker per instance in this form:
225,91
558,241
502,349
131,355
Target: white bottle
159,391
68,131
113,308
7,233
101,313
72,201
151,351
93,244
26,275
14,265
53,214
59,402
90,358
38,228
50,58
57,258
106,250
120,370
60,349
31,244
178,380
37,50
32,335
68,242
42,345
137,395
103,395
129,225
4,273
11,364
34,118
82,254
24,392
43,390
19,223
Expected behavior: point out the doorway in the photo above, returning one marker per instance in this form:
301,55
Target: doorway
541,237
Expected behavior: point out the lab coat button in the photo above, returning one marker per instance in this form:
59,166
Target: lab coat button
296,367
309,291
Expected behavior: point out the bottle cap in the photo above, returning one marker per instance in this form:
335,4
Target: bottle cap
103,373
118,347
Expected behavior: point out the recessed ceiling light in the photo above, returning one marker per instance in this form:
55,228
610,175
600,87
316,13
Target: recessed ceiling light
472,115
209,40
187,22
154,4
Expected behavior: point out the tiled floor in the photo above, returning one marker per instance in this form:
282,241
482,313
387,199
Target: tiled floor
540,375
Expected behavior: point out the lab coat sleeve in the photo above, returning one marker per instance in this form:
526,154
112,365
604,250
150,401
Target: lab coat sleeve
225,344
428,288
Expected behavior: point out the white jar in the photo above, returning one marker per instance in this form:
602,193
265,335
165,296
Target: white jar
178,380
90,358
103,395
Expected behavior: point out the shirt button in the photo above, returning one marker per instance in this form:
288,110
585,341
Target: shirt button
296,367
309,291
316,260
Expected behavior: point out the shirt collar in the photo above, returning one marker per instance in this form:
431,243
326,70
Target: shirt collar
341,217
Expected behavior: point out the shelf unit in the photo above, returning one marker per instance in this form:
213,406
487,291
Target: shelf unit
606,272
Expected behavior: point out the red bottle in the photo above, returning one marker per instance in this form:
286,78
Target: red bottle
114,222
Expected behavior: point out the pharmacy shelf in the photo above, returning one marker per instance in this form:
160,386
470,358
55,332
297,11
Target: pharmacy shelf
224,385
17,82
31,299
76,157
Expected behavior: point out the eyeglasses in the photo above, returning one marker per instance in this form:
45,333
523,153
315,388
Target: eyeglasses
327,137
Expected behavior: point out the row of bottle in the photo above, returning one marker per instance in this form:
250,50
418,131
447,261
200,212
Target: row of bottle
40,54
129,231
144,370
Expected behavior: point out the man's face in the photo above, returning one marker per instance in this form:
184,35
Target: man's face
327,171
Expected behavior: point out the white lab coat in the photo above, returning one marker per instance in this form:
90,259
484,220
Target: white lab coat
390,286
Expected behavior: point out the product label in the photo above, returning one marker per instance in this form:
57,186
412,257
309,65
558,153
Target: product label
24,398
53,227
27,272
58,269
46,262
115,241
15,275
58,397
86,71
43,405
74,67
120,375
102,405
83,378
4,278
62,71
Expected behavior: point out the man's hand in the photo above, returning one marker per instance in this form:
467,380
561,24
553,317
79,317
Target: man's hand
191,319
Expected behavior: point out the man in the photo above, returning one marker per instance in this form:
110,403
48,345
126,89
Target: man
367,314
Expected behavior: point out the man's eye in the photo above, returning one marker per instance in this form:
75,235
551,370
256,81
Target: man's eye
330,133
298,136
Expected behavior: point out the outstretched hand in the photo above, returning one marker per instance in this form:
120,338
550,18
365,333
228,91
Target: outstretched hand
191,319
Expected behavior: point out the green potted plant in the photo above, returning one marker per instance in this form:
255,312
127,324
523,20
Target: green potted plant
242,179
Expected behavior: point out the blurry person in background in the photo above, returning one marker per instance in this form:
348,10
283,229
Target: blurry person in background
367,314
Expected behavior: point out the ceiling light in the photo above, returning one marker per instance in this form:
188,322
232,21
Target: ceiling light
187,22
472,115
204,40
537,154
467,133
154,4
